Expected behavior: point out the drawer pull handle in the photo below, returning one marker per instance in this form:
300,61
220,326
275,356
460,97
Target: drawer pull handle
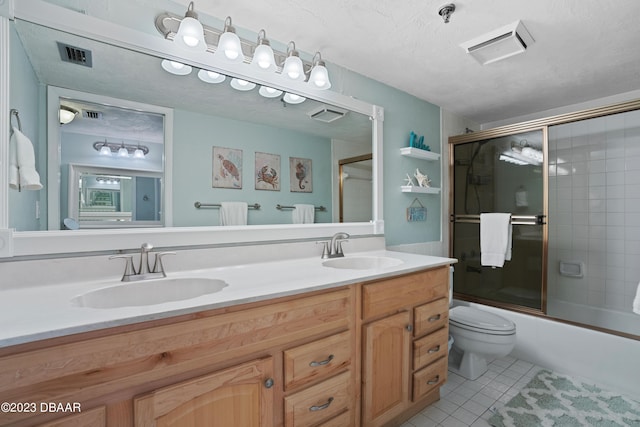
434,349
322,362
321,407
435,380
268,383
434,318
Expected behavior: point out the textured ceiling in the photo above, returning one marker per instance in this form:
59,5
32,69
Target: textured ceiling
583,50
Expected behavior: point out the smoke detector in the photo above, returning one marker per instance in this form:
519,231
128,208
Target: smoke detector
499,44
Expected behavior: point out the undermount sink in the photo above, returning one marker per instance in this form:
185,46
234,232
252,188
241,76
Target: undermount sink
362,262
148,292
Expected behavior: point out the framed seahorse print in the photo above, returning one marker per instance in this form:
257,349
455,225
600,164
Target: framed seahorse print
300,175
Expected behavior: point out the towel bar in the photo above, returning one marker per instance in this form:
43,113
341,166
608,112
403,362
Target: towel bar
199,205
281,207
515,219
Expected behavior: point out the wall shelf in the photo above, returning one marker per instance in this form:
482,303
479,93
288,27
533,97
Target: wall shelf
419,154
423,190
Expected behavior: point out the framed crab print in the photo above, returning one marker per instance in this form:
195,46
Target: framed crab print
300,177
227,168
267,171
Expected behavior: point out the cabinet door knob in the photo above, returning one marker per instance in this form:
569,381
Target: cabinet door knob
322,362
434,318
268,383
435,380
321,407
409,328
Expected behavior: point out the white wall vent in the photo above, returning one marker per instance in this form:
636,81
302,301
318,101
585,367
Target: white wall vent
327,114
499,44
75,55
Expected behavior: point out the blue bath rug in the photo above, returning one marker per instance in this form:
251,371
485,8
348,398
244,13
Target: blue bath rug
553,400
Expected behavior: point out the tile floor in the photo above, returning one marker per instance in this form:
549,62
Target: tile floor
466,403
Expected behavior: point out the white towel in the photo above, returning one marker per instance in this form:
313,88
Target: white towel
636,301
303,214
22,163
495,239
233,213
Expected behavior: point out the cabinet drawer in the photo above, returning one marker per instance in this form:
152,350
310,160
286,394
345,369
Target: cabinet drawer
342,420
318,359
319,403
429,379
427,349
390,295
430,317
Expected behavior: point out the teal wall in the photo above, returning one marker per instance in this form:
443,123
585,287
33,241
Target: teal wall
196,134
403,113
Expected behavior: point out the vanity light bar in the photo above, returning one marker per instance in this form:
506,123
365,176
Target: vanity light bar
115,147
168,23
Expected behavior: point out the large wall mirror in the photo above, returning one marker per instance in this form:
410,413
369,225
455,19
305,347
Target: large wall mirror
214,126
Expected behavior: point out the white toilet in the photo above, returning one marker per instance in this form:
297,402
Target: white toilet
478,335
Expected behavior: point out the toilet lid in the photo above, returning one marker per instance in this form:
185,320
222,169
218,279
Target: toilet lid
481,321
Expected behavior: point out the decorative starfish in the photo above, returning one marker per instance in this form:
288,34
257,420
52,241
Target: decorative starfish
409,181
423,180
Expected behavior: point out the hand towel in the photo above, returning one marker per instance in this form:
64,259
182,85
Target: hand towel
495,239
233,213
636,301
303,214
28,177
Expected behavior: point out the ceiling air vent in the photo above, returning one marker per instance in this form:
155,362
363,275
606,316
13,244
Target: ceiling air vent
94,115
499,44
75,55
327,114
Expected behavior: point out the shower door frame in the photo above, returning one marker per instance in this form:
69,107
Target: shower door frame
532,125
497,133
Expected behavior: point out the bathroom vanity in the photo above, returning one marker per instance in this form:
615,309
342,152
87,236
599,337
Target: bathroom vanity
368,347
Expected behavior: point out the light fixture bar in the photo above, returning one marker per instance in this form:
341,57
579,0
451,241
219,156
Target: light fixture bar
168,23
114,147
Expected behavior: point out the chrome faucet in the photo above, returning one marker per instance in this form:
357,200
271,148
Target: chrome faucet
333,248
144,271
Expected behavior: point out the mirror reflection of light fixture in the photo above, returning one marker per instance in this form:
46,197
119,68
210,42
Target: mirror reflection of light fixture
292,98
522,153
319,77
123,150
175,67
263,58
242,85
293,68
269,92
190,34
229,48
211,76
66,114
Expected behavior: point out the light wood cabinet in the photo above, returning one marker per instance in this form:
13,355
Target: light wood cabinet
238,396
96,417
404,339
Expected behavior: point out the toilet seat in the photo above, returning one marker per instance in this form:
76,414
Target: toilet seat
481,321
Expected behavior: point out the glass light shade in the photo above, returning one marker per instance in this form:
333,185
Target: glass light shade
123,152
190,35
138,154
292,98
263,58
269,92
66,116
293,69
242,85
319,77
211,76
105,150
229,48
177,68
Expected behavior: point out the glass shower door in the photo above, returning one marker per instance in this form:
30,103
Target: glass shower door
503,174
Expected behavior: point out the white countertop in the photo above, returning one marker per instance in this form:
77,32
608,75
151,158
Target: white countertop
40,312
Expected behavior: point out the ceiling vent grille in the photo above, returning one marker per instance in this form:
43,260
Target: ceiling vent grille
75,55
327,115
93,115
499,44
